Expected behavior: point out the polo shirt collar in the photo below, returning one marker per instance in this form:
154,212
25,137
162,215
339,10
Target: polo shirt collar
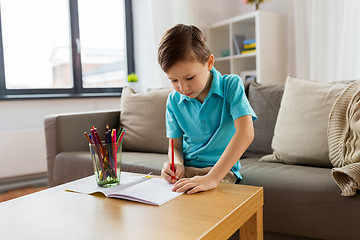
215,86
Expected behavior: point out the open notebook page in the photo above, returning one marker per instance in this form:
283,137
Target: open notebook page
155,191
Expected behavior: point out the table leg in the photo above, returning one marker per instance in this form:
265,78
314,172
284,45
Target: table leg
253,228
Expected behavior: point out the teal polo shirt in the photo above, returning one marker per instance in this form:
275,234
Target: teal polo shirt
207,128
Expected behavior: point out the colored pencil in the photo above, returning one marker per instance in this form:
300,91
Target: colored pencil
98,152
90,141
120,140
119,134
172,158
88,138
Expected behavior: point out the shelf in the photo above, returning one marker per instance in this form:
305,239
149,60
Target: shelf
228,58
269,31
220,59
240,18
246,55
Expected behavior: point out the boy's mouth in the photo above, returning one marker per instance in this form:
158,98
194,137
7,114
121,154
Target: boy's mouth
188,94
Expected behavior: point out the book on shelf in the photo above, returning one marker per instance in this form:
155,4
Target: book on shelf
238,43
248,51
133,187
249,41
251,45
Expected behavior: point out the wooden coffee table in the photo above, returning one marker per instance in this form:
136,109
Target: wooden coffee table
57,214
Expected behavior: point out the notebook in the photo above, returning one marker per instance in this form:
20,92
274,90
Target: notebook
138,188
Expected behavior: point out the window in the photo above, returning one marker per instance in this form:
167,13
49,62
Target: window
102,58
31,45
63,48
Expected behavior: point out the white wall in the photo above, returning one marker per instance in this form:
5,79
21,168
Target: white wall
22,138
212,11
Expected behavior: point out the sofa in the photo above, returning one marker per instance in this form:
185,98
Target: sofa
289,156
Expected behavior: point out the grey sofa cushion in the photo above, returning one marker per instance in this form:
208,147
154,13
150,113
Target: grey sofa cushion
265,100
145,163
303,200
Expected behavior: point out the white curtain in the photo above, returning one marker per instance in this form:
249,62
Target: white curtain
151,19
324,39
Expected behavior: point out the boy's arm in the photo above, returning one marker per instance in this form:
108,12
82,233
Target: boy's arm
241,140
238,144
166,172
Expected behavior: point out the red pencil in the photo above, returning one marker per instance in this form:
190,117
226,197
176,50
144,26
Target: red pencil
172,157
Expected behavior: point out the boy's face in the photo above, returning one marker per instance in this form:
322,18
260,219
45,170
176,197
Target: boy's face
192,78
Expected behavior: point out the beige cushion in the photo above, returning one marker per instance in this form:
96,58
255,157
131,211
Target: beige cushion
300,135
143,117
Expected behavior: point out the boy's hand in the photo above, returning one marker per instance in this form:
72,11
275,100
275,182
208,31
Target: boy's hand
168,174
195,184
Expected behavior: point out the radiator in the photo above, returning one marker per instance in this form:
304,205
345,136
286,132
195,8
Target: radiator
22,153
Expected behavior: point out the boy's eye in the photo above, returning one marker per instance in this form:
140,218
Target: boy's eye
173,80
189,78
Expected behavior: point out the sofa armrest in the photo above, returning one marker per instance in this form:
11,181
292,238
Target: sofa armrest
64,133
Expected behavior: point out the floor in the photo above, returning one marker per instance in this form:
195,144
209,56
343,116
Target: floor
19,192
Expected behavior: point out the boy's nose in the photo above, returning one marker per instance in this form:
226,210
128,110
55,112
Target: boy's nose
183,86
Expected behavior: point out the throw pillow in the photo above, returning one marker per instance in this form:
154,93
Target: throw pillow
300,135
265,100
143,117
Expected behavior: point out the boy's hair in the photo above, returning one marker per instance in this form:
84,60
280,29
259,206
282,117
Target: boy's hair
182,43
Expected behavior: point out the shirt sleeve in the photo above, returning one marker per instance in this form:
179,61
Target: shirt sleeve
239,103
173,129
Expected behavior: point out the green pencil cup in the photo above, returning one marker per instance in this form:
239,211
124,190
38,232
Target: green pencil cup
106,159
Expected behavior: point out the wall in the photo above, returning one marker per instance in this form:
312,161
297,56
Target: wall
212,11
22,138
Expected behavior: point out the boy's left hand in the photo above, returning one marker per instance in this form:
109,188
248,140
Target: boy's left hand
195,184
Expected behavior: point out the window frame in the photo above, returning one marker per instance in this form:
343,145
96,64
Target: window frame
77,91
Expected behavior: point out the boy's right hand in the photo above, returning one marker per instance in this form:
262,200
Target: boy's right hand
168,174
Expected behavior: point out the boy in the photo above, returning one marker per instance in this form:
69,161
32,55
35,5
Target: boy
208,115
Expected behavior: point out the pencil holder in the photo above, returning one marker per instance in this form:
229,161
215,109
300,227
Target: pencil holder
106,160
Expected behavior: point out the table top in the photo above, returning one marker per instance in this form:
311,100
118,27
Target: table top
58,214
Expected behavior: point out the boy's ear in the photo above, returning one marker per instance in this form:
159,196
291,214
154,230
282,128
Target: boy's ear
210,62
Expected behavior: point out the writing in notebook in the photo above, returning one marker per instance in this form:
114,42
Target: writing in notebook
154,191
